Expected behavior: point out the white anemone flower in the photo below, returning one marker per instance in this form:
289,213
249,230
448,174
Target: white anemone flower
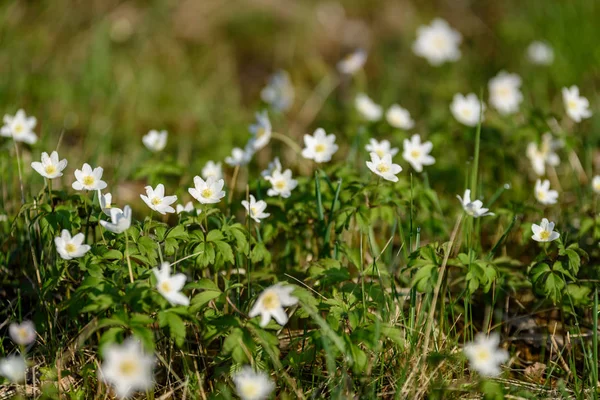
251,385
106,203
578,107
367,108
544,155
279,92
261,131
270,303
50,167
399,117
22,334
381,148
540,53
88,178
417,153
71,247
213,169
13,368
188,208
157,201
209,191
169,286
467,109
273,166
353,62
543,193
596,184
544,232
127,368
120,221
240,157
484,354
319,147
20,127
438,42
473,208
505,93
384,167
155,140
282,183
256,209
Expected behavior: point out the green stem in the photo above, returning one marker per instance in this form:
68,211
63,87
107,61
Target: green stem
127,257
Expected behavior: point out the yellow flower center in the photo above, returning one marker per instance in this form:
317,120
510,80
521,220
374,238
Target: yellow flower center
597,186
503,91
380,152
572,104
88,180
483,354
270,301
249,390
383,168
50,169
206,193
279,185
70,247
319,148
128,368
439,42
541,194
156,201
22,333
466,112
19,128
165,286
253,211
260,132
544,235
415,153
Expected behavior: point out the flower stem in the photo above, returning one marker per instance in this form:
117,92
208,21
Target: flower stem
236,171
127,256
288,141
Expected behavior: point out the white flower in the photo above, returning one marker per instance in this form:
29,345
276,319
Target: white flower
261,131
596,184
20,127
475,208
256,209
212,169
384,167
188,208
577,106
50,167
484,354
120,220
279,92
241,156
399,117
127,367
505,95
70,247
466,109
320,146
353,62
282,183
23,333
543,194
106,203
13,368
250,385
417,154
273,166
169,286
270,303
381,148
544,155
209,191
157,201
155,141
540,53
88,179
544,232
367,108
437,42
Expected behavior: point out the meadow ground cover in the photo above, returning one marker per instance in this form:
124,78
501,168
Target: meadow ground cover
299,200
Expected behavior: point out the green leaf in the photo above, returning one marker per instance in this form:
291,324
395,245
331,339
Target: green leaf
175,325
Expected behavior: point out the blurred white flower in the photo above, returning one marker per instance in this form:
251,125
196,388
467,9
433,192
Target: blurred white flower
319,147
256,209
353,62
13,368
106,203
543,194
270,303
212,169
543,155
282,183
577,106
466,109
437,42
127,367
484,354
188,208
209,191
88,179
544,232
70,247
273,166
417,153
50,167
505,95
19,127
241,156
384,167
381,148
540,53
169,286
596,184
367,108
261,131
120,221
155,140
250,385
157,201
399,117
279,92
22,334
473,208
